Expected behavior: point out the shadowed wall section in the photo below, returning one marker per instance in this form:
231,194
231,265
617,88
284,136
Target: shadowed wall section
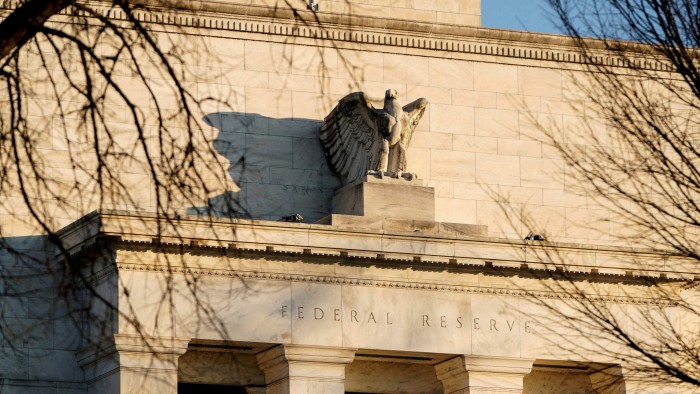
278,165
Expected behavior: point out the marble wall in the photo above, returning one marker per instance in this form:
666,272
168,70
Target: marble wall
478,144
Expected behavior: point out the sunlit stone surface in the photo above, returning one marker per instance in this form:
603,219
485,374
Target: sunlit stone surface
388,285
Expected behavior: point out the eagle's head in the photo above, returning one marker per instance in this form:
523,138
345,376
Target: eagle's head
391,94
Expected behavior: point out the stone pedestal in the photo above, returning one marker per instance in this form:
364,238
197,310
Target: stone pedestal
386,197
293,369
393,205
483,375
133,364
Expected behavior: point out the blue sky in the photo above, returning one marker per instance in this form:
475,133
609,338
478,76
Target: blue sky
530,15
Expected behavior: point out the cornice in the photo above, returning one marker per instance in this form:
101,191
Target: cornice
390,249
393,33
252,240
225,18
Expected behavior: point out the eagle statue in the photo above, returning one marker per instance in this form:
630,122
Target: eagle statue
359,139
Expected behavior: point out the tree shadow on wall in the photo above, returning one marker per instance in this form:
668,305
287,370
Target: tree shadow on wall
278,164
40,312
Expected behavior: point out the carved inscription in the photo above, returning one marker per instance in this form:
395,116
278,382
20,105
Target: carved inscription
354,316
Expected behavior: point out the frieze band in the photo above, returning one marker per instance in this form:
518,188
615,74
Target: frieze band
390,284
420,319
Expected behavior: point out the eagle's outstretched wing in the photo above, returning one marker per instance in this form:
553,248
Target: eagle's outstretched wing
351,136
414,111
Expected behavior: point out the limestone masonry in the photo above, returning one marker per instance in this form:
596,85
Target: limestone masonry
390,284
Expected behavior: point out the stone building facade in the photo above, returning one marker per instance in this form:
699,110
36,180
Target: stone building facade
455,302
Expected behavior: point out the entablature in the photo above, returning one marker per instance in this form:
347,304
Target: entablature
224,19
417,250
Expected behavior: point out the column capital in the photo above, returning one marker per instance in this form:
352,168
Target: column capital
486,364
150,344
132,363
626,378
119,343
472,374
309,354
293,368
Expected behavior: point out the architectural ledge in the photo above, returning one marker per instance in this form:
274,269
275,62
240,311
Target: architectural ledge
227,18
362,22
305,354
380,247
133,344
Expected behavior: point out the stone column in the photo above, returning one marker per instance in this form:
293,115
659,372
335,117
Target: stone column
483,375
291,369
608,381
623,379
133,364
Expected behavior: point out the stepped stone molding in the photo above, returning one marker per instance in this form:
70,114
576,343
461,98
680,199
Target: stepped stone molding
394,260
374,31
232,237
483,375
